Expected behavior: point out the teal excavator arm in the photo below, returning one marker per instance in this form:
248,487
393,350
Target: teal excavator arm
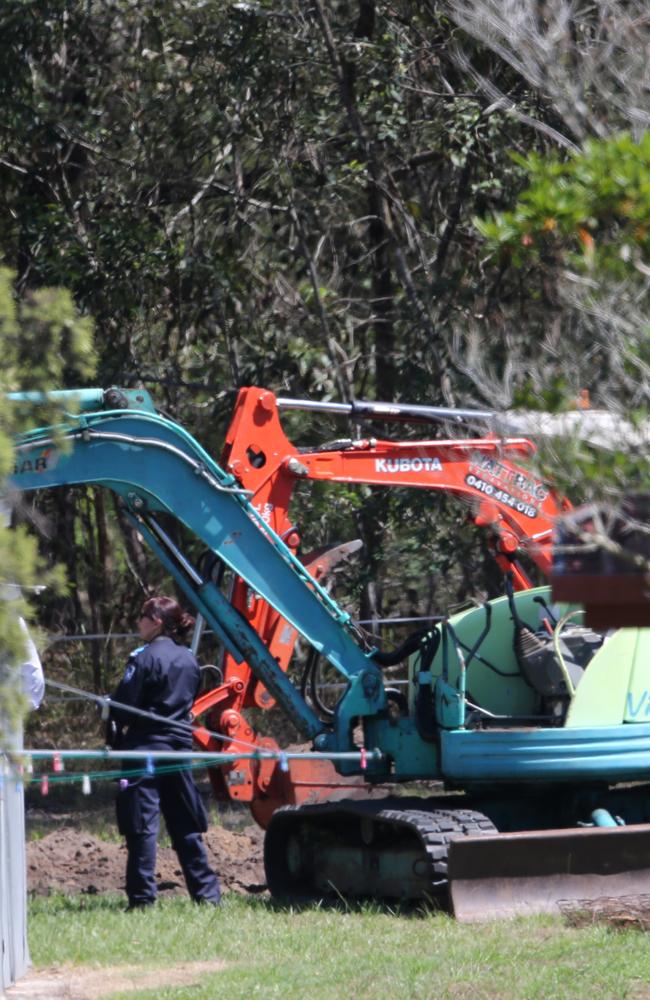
156,467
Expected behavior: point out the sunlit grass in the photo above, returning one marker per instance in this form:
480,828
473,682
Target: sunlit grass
370,951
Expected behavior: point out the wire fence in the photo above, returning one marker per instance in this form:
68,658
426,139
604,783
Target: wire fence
72,658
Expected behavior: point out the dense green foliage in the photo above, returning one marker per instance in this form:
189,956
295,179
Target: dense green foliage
591,209
576,233
240,195
41,335
585,219
284,195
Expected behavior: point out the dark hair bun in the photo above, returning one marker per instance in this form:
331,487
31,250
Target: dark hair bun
176,622
185,625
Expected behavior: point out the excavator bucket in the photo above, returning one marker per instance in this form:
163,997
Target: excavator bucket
518,874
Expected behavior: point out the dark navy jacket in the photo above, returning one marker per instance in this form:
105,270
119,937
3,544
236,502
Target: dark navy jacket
161,677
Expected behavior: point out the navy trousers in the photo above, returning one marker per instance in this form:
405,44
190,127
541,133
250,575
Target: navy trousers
139,805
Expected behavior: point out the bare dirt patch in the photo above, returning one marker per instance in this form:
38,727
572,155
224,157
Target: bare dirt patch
74,848
71,861
92,984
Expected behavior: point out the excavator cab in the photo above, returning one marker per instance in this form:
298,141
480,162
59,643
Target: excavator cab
509,661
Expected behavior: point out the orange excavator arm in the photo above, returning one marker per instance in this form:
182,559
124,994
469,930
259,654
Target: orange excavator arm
484,472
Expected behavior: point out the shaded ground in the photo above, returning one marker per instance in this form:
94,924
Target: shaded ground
77,848
70,861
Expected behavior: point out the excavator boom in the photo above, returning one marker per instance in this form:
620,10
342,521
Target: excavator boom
157,467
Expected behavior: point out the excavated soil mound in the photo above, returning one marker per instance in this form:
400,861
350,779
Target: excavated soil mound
71,861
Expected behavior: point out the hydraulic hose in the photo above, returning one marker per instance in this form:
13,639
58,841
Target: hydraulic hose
391,657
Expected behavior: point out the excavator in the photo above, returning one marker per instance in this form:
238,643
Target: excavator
536,725
502,495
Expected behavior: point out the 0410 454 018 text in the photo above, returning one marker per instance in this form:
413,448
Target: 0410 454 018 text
501,496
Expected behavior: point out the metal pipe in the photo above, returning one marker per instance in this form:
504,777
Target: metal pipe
461,683
86,399
198,467
199,625
217,758
386,411
51,640
174,550
88,435
400,621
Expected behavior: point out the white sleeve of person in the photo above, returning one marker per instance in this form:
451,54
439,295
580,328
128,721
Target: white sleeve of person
33,682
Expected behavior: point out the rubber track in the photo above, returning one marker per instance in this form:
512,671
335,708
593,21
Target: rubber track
435,828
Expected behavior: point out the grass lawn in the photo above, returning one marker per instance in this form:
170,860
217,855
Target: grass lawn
366,953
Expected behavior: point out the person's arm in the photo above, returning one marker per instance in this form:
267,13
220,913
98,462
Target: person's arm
130,689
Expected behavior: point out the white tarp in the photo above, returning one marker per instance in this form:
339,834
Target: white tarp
596,427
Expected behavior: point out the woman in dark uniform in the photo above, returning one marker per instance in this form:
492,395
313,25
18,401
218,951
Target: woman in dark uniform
161,677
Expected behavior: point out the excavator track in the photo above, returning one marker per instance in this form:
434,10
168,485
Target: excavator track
379,849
